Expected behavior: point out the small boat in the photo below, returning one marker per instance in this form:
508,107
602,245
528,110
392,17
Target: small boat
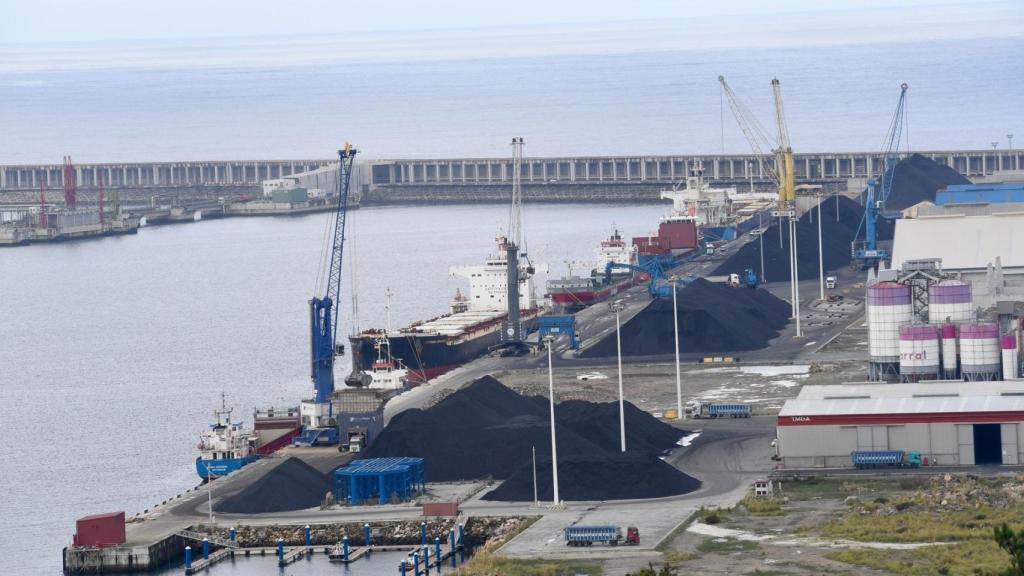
225,447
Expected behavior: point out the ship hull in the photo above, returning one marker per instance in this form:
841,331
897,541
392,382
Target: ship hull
569,299
221,466
427,356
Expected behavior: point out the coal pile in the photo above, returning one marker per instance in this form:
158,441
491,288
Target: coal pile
613,477
291,485
837,237
713,318
917,179
487,430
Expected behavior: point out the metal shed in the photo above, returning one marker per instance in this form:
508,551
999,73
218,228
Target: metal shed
380,479
949,423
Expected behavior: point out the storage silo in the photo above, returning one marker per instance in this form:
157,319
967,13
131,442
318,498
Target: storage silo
949,353
889,307
919,353
949,301
980,357
1010,362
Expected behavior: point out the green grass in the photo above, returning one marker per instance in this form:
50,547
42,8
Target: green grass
678,556
487,564
973,558
762,506
914,525
726,546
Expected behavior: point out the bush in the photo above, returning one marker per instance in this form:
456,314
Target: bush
762,506
712,518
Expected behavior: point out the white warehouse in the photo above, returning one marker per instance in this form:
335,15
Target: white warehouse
949,423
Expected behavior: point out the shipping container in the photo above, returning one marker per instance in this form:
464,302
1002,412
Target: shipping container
290,196
100,530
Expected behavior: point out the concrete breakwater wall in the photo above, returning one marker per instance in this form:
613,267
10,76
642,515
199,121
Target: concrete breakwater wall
477,530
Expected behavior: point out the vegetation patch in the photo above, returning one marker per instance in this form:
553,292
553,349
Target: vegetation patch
726,546
486,563
973,558
763,506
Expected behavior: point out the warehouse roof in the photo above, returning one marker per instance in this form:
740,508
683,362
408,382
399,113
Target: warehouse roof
963,242
904,399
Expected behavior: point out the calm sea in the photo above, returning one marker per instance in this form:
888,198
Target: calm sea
113,352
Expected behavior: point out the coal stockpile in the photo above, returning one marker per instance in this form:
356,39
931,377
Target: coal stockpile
612,477
917,179
713,318
487,430
291,485
837,237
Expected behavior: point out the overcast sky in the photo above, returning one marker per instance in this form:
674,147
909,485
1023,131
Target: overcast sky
46,21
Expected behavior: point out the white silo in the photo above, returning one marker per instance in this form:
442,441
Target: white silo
949,301
889,307
919,353
980,357
949,352
1010,358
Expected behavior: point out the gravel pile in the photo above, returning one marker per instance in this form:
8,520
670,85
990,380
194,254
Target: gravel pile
291,485
486,430
917,178
713,319
837,237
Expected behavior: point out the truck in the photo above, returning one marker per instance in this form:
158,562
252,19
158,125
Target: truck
721,410
733,281
885,459
610,535
830,282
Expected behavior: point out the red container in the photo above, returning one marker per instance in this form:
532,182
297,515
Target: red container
100,530
441,509
677,235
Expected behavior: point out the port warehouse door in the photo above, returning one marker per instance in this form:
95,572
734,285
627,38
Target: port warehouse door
965,443
872,438
1009,443
988,445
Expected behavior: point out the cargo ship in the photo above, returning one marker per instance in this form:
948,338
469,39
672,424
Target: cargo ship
574,292
430,348
226,446
721,214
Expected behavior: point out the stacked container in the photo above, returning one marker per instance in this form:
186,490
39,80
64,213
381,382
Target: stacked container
919,353
889,307
980,357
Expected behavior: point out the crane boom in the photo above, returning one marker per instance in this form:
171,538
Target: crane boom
755,134
784,152
324,311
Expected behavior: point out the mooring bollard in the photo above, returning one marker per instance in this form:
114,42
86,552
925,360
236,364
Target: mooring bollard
451,546
416,563
423,533
309,538
426,559
233,535
401,567
462,535
206,549
188,557
280,549
437,551
344,548
366,535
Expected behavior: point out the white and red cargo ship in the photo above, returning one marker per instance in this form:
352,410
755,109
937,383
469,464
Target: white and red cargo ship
574,292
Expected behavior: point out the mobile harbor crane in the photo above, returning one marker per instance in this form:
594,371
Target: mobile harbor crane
318,420
780,171
866,252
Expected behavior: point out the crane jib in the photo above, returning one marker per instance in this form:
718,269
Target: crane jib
323,311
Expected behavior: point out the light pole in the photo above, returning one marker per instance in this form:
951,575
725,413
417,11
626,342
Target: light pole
617,306
995,145
1009,137
675,324
760,245
549,340
821,255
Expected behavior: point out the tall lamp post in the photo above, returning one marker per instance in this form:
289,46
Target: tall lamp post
618,306
675,324
549,341
760,244
821,255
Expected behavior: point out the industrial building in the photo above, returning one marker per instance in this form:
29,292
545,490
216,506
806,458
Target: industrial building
379,481
948,423
982,244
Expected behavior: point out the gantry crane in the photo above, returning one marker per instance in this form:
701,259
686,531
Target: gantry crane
319,424
780,172
866,251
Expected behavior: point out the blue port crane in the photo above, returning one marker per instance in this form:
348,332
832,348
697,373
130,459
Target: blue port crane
323,311
655,272
866,252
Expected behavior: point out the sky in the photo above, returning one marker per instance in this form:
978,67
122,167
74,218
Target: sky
413,29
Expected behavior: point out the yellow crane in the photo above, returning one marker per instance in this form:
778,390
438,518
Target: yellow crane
780,170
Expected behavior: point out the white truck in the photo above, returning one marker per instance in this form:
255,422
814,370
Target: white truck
830,282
